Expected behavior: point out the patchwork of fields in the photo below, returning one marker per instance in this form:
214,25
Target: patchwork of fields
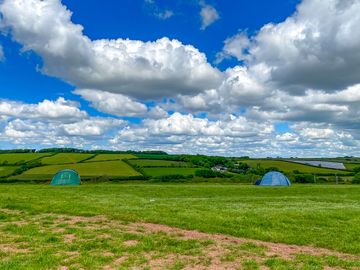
118,166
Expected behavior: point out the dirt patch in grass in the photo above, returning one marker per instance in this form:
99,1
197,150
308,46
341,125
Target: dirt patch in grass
113,245
12,249
72,220
69,238
131,243
273,249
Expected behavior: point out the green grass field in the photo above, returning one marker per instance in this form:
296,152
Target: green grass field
65,158
7,170
104,157
158,163
108,168
155,172
99,226
290,167
351,166
13,158
153,156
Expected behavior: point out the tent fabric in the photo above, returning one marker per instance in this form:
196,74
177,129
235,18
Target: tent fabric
275,179
66,177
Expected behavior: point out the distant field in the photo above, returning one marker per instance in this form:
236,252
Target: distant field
351,166
14,158
154,156
158,163
7,170
109,168
289,167
169,171
320,163
64,158
345,160
104,157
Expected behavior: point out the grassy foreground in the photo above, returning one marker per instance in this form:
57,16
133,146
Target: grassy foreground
50,224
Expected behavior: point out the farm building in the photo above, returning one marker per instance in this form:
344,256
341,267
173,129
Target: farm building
274,179
219,168
66,177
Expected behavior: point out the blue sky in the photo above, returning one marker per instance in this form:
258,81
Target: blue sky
134,19
259,78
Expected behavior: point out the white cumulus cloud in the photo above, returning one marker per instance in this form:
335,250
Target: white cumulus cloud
317,47
208,15
115,104
47,109
130,67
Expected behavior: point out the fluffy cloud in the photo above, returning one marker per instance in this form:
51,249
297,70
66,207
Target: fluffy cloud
110,103
235,46
186,133
60,109
95,126
119,105
52,123
209,101
208,15
315,48
339,108
130,67
305,69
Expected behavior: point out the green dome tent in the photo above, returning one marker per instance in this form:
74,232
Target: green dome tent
66,177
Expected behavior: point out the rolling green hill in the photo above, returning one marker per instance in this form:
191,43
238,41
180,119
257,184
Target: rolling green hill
7,170
104,157
65,158
89,169
18,157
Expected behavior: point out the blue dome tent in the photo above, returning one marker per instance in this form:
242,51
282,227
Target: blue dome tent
274,179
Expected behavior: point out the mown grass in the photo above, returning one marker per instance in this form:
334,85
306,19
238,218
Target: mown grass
104,157
158,163
65,158
321,216
109,168
290,167
7,170
155,172
17,157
